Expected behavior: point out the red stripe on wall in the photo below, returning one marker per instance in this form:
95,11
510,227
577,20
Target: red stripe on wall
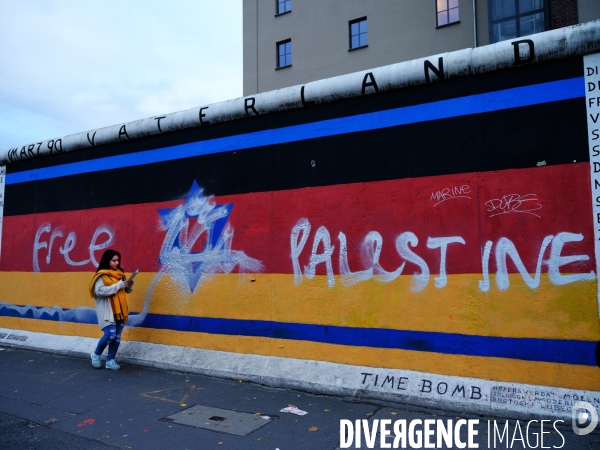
524,206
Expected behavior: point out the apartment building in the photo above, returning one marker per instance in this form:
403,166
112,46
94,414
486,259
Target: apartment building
290,42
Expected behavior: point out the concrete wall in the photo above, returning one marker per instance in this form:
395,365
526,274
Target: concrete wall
431,244
398,31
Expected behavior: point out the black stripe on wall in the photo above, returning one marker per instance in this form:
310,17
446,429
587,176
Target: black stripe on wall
535,74
515,138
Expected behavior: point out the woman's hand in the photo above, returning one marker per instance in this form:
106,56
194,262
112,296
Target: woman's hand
128,283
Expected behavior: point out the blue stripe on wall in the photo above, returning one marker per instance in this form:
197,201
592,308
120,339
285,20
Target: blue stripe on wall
474,104
528,349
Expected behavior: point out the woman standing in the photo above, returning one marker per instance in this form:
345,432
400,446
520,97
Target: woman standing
108,288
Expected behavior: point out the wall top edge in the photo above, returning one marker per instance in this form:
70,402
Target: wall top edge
551,45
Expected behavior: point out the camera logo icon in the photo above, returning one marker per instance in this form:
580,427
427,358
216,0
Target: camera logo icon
582,413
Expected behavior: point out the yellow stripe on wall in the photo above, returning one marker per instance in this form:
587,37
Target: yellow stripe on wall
51,327
494,369
567,312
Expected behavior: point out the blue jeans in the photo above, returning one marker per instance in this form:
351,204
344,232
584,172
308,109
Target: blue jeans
112,338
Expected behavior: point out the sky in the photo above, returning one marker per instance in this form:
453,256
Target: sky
68,66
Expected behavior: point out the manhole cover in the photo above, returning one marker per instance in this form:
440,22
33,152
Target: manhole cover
221,420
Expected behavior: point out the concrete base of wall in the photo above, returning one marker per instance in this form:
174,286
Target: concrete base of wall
512,400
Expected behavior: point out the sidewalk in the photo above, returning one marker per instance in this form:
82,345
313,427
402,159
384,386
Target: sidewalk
58,402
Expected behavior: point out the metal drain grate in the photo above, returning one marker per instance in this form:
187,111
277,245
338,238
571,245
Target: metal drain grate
220,420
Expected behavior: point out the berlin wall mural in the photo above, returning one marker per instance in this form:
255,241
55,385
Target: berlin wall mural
445,229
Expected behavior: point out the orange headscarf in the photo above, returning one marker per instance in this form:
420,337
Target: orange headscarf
118,301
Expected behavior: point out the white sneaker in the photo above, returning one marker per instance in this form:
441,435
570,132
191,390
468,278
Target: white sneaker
96,360
111,364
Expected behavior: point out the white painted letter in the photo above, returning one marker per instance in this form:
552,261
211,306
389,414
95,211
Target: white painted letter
371,249
67,247
556,260
322,235
484,285
44,228
93,246
442,244
505,247
303,226
402,242
347,277
56,233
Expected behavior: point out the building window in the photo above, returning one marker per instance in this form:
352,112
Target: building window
284,54
358,33
284,6
447,12
514,18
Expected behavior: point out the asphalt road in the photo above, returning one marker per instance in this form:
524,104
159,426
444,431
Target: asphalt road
58,402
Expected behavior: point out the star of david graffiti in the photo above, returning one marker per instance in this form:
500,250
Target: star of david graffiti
198,241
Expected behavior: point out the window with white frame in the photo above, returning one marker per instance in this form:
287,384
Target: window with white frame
447,12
